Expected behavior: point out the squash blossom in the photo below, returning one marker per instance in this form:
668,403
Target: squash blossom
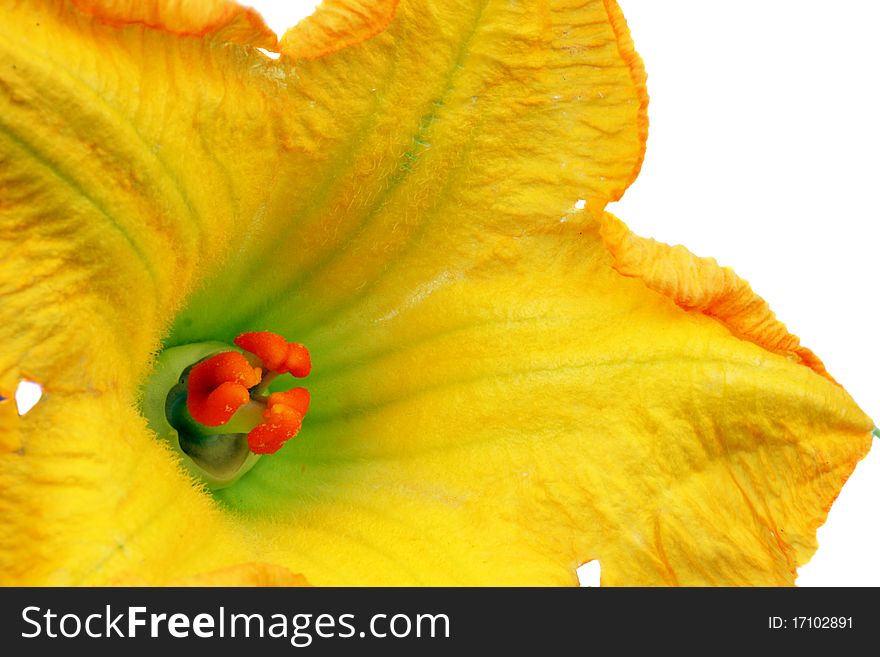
339,317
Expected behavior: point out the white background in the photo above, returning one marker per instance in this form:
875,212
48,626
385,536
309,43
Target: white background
762,153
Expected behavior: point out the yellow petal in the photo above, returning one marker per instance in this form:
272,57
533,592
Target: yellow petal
102,235
9,436
337,24
700,284
91,496
222,19
482,113
506,410
251,574
162,185
247,574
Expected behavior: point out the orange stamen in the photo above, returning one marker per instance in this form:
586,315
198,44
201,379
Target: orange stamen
299,361
218,386
276,354
296,398
271,348
282,420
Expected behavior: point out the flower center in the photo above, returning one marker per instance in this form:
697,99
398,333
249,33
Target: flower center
212,403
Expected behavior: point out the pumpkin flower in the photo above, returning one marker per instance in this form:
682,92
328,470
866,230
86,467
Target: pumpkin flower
338,317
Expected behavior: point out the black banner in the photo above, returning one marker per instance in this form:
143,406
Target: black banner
432,621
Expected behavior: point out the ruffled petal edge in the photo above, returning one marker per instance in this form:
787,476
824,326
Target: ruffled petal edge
702,285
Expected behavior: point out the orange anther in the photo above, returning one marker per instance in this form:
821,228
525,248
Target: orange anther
298,361
276,353
280,424
271,348
282,420
218,386
296,398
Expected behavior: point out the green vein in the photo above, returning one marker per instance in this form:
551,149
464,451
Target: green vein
315,417
35,56
78,189
370,358
313,204
404,171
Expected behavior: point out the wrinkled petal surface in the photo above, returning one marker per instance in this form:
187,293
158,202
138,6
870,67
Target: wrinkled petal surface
525,408
219,18
337,24
503,388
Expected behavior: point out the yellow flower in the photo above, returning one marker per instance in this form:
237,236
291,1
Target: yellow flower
499,377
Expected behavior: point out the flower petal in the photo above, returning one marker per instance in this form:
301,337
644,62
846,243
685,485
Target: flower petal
337,24
246,574
85,109
701,284
91,497
102,236
249,574
479,112
224,19
506,406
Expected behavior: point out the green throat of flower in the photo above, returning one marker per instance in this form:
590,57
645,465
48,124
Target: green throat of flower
210,402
